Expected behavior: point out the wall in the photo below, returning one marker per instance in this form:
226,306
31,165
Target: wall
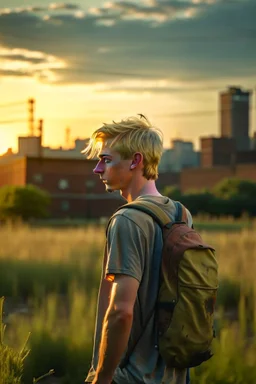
201,178
168,179
75,190
246,171
85,207
12,171
48,173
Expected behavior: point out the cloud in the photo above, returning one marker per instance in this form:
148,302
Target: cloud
32,60
157,11
66,6
154,40
155,86
22,62
13,73
37,9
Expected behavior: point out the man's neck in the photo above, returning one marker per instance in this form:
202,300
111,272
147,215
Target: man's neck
148,188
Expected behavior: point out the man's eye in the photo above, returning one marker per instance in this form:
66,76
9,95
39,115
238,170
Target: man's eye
106,161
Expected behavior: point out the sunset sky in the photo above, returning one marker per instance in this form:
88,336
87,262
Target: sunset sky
91,61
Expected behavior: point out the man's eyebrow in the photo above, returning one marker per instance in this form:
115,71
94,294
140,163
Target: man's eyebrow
104,155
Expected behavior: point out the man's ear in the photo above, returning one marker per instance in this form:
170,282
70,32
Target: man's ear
137,159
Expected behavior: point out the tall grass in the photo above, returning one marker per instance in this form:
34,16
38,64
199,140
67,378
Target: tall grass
50,279
11,360
39,261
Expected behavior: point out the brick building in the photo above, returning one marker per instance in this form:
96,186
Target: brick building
168,179
234,116
75,191
201,178
217,151
244,157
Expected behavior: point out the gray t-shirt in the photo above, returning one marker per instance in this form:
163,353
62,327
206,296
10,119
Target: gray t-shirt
134,245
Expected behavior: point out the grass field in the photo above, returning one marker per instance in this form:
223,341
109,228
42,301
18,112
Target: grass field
49,277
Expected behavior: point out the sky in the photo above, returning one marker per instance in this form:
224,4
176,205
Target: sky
89,62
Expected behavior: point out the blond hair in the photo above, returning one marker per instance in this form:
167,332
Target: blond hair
128,137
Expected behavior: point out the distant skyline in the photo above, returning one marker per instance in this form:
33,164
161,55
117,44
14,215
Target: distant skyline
89,62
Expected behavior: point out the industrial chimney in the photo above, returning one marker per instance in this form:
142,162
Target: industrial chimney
31,103
40,133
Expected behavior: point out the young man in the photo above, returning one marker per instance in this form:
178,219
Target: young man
129,152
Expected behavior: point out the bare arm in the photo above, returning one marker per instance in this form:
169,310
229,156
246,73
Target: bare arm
103,304
116,327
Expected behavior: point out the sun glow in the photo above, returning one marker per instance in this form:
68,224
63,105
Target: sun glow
3,148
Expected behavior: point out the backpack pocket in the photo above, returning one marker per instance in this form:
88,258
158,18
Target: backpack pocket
186,340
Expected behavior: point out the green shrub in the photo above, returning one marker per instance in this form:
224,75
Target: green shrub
232,188
28,202
172,192
199,202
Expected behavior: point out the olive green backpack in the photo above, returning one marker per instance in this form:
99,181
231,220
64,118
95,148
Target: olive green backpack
187,292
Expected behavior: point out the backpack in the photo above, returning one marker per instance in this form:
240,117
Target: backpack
184,311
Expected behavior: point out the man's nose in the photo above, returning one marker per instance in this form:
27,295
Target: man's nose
99,168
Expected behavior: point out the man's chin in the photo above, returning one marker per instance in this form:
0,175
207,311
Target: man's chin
108,188
111,189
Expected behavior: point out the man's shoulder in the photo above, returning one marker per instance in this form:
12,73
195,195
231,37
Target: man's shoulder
130,218
131,214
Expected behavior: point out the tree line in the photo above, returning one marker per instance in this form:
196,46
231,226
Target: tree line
231,197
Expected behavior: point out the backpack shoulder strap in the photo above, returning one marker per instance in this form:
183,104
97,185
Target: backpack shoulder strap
156,212
152,210
181,212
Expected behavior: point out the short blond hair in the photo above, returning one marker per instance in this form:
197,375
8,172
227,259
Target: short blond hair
134,134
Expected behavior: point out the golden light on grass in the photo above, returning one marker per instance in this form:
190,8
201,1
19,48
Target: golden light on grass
56,272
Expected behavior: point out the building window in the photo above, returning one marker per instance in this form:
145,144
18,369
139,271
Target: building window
38,178
65,205
90,184
240,98
63,184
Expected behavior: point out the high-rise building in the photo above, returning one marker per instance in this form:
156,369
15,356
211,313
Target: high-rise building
181,155
234,116
217,151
